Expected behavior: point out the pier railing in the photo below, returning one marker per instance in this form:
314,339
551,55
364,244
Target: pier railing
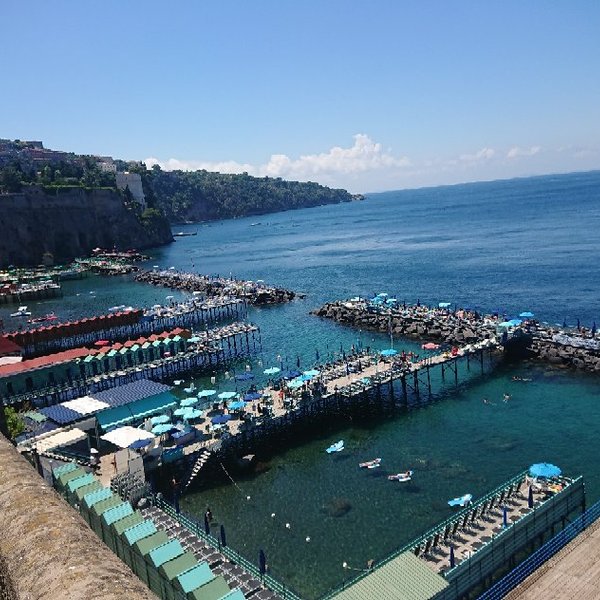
197,528
543,554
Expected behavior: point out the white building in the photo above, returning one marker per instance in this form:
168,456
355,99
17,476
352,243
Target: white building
134,182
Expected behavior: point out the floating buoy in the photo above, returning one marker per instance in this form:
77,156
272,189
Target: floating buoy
288,526
308,538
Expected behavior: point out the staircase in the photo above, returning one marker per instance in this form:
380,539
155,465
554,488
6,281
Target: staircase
197,467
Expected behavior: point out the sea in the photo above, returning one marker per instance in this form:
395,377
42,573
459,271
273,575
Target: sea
530,244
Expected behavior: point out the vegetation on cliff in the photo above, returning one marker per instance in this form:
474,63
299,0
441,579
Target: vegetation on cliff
204,195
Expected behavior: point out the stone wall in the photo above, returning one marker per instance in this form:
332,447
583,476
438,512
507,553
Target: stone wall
68,225
47,551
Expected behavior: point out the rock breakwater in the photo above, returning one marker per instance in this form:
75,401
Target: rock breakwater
254,292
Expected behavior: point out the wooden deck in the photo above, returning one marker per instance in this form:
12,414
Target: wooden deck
572,573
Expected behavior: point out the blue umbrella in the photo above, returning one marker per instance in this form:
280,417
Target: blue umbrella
504,517
389,352
530,497
252,396
452,561
227,395
162,428
194,413
544,470
291,374
444,304
244,376
182,412
526,314
312,373
189,402
206,393
514,322
272,371
262,562
295,383
237,405
140,444
160,419
220,419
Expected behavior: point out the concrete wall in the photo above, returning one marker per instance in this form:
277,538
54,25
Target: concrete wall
47,551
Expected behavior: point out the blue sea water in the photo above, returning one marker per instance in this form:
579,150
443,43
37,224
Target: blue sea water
525,244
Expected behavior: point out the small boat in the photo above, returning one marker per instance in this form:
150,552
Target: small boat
185,233
337,447
117,308
370,464
461,501
406,476
22,312
48,317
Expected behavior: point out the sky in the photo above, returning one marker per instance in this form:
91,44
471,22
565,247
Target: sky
368,96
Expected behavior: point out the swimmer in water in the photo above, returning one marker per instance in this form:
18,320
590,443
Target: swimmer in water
507,397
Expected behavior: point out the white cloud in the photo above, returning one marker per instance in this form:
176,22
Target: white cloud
364,155
517,151
483,155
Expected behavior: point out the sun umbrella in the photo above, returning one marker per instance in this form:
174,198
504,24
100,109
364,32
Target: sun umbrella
444,304
389,352
272,371
140,444
101,343
189,402
206,393
515,322
220,419
305,377
312,373
430,346
252,396
194,339
295,383
162,428
291,374
159,419
237,405
182,412
526,314
227,395
244,376
194,413
544,470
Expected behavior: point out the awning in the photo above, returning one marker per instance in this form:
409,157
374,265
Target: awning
85,405
121,415
62,438
125,436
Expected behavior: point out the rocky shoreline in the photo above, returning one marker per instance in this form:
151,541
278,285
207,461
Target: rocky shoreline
419,322
255,293
575,349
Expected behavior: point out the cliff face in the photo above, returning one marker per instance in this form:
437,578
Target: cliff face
70,224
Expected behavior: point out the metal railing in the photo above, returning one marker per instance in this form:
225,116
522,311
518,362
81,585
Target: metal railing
197,528
540,556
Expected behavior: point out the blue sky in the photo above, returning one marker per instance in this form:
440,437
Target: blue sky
369,96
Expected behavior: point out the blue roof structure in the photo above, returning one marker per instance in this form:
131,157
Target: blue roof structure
166,552
97,496
117,513
60,414
75,484
195,577
130,392
121,415
139,532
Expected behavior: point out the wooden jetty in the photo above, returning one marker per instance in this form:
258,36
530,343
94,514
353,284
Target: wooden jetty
463,552
361,385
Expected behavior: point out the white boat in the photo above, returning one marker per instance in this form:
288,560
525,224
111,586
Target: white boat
370,464
461,500
406,476
22,312
337,447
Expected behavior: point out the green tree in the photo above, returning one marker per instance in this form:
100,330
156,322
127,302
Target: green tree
14,423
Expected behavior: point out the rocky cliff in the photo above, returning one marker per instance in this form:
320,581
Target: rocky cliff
71,223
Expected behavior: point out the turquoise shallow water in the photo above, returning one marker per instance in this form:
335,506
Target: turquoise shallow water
530,244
